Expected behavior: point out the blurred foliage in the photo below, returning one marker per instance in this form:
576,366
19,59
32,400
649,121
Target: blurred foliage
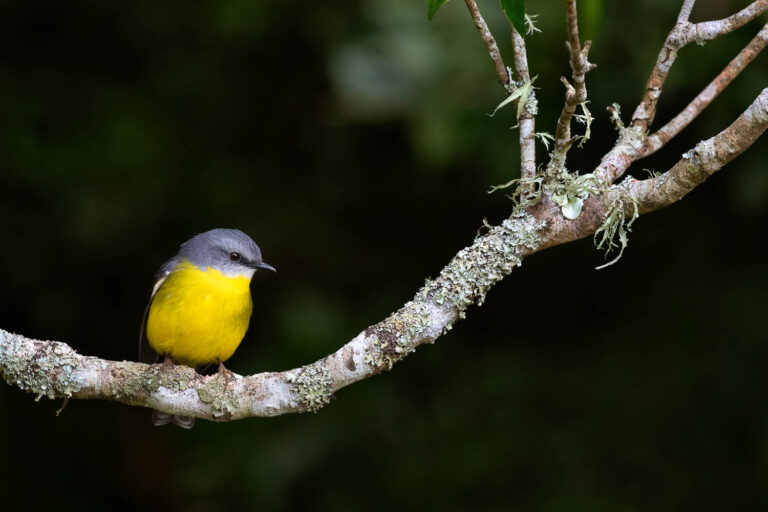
351,140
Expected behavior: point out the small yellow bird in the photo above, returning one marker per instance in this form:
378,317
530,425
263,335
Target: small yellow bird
200,306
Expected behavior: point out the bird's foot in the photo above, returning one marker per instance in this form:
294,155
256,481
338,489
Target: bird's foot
223,371
167,364
226,374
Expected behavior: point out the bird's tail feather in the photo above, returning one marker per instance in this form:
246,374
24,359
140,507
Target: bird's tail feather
160,418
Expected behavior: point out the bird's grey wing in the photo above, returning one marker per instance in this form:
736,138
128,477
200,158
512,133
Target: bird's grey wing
146,353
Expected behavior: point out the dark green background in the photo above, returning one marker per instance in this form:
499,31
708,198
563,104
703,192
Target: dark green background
350,139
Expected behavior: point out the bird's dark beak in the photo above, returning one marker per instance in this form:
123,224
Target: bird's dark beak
265,266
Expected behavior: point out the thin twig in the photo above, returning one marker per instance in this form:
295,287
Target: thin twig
574,94
489,40
580,66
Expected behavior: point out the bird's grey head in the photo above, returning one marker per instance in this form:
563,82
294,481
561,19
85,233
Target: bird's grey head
229,251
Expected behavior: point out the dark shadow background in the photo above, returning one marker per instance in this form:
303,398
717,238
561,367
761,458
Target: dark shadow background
350,139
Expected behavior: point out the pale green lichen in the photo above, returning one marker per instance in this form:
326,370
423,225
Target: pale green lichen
42,368
652,173
523,92
530,27
313,386
378,356
214,393
410,322
616,222
585,119
569,190
615,110
545,138
134,383
129,383
475,269
176,380
400,333
527,193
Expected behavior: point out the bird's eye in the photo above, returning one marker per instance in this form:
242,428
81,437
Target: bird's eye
234,256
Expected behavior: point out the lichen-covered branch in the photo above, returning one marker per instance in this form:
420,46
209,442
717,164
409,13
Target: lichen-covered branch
54,370
681,35
656,141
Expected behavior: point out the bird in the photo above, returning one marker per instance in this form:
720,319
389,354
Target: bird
200,306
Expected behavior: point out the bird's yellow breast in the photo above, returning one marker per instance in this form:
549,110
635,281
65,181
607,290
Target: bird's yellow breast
199,316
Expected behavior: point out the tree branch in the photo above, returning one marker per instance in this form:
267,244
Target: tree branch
681,35
527,119
54,370
705,97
